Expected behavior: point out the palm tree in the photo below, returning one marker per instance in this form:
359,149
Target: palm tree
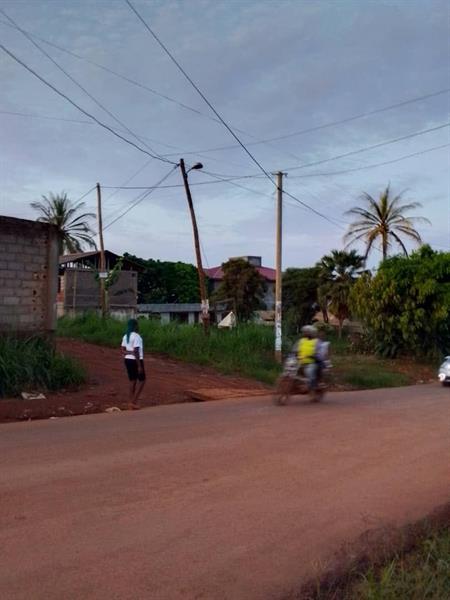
74,229
337,274
383,218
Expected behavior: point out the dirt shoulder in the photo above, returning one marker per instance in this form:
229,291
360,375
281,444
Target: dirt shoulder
168,382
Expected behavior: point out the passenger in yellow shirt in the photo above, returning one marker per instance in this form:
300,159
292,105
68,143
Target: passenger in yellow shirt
307,355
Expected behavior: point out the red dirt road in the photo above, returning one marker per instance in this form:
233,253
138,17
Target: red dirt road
168,380
232,500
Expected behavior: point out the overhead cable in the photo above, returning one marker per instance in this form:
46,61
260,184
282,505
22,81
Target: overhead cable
123,77
74,81
326,125
194,85
379,145
373,166
140,198
78,107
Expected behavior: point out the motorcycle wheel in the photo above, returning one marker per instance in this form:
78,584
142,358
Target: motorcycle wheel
283,391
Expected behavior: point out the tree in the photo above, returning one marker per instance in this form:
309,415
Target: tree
299,296
405,307
74,228
243,285
166,282
337,274
385,219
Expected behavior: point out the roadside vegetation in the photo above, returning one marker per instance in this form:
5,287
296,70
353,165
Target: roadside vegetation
33,364
246,350
418,574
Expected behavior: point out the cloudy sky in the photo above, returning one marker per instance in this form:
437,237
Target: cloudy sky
272,69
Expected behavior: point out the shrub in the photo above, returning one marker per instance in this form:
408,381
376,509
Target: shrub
34,364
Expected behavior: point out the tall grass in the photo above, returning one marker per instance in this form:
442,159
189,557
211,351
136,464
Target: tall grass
247,350
33,364
423,573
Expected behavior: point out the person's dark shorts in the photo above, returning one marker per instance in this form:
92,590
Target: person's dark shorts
134,374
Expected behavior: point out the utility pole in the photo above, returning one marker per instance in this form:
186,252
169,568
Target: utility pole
102,252
201,275
278,282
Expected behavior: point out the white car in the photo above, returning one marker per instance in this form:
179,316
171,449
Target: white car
444,371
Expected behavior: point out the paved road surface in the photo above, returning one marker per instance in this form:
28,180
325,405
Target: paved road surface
225,500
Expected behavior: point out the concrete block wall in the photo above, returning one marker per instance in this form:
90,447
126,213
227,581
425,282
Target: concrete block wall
81,291
28,276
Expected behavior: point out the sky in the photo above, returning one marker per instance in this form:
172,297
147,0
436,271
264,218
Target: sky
270,69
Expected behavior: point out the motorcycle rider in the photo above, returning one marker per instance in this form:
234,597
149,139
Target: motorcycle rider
307,355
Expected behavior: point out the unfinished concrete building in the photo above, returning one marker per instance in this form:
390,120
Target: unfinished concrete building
79,286
28,276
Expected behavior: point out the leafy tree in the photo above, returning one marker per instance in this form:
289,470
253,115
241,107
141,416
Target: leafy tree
299,296
405,307
73,227
385,219
337,274
166,282
243,285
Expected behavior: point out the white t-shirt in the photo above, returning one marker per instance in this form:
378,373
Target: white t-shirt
134,342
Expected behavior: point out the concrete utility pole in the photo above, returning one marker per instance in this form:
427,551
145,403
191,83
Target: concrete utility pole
102,252
279,234
201,275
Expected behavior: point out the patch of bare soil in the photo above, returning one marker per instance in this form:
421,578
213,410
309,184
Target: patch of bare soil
168,382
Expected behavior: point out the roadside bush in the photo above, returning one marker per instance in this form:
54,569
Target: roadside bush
405,307
34,364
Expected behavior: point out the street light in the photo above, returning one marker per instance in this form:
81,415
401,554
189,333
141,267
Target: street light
201,275
197,166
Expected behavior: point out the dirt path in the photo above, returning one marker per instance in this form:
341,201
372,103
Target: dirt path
168,383
232,500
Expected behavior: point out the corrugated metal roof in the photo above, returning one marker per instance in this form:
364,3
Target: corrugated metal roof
217,273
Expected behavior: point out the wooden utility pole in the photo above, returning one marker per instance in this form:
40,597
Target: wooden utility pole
201,275
102,268
278,281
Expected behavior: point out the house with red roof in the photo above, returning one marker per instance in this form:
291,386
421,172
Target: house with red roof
215,275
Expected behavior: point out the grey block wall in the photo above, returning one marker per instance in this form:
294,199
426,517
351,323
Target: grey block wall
28,276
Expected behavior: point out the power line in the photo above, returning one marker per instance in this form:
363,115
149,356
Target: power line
162,187
140,198
327,125
174,60
73,80
305,205
379,145
78,107
354,152
140,137
144,166
200,113
380,164
123,77
85,194
35,116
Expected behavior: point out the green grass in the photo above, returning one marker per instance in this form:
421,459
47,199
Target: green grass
33,364
367,372
423,573
247,350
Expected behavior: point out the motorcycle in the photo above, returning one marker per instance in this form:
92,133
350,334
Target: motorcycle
294,381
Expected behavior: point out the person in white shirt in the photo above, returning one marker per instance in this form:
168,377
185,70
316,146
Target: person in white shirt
133,353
